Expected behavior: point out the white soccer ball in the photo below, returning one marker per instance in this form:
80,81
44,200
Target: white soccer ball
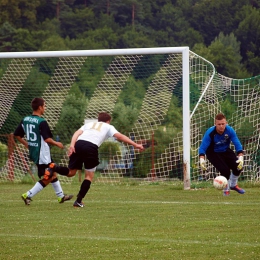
220,182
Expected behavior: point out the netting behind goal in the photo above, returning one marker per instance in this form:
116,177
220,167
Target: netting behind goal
144,93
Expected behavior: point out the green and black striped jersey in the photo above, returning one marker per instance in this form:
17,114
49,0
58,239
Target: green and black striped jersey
36,130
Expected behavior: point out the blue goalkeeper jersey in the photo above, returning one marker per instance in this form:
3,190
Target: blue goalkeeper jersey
218,143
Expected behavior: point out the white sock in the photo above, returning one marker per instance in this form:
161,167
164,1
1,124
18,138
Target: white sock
233,180
58,190
34,190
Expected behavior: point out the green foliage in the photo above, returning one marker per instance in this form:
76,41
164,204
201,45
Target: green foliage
3,153
143,165
53,43
72,115
124,117
135,39
228,108
23,40
249,35
10,11
69,24
108,149
223,52
132,93
104,37
91,73
72,25
7,33
174,114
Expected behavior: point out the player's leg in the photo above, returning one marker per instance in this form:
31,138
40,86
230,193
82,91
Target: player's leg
86,153
59,192
53,167
50,174
219,162
85,186
231,161
27,197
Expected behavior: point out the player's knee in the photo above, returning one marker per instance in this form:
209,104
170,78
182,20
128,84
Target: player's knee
72,173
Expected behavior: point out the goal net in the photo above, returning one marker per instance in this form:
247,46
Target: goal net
157,97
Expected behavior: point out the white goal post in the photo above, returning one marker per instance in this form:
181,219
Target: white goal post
168,82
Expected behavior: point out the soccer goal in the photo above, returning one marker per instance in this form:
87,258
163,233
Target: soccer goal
164,98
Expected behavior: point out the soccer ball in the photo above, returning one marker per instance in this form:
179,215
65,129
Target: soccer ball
220,182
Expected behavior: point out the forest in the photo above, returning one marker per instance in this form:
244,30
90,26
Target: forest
225,32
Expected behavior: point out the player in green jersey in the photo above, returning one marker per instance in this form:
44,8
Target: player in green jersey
38,140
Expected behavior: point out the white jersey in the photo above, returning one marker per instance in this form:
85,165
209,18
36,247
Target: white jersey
97,132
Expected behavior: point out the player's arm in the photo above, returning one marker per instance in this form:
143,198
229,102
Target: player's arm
73,141
21,140
239,149
237,143
206,140
50,141
19,134
47,135
125,139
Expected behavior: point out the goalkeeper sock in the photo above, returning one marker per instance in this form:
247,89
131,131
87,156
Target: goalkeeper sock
233,180
57,188
85,186
227,188
35,189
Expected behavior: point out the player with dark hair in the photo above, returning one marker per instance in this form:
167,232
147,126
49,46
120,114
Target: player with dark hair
84,150
216,146
38,138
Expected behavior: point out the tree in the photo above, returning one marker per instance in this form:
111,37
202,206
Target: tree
28,12
72,114
74,23
212,17
223,52
53,43
7,33
23,41
135,39
124,117
10,11
104,37
248,33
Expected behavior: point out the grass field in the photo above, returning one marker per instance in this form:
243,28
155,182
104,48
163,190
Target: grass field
137,221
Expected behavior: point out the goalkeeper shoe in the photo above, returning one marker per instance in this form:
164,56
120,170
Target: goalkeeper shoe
65,198
27,200
78,205
226,192
239,190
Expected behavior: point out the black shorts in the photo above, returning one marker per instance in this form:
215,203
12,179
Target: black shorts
86,153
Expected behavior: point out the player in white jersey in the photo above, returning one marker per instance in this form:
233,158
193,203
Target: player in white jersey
84,150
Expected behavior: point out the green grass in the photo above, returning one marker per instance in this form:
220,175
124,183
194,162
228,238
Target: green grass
130,221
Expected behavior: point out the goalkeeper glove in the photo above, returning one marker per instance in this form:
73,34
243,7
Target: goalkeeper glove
240,162
203,164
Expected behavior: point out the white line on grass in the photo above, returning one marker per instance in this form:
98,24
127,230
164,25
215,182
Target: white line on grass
140,239
155,202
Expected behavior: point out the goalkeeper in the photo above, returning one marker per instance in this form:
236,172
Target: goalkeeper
216,146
